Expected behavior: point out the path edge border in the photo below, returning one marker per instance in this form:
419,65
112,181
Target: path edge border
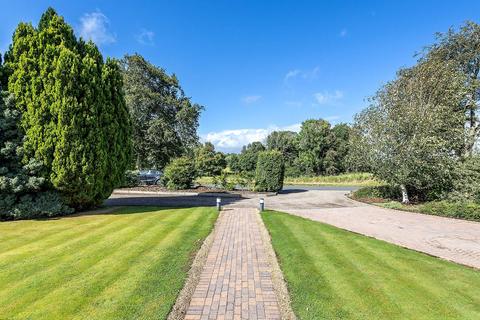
179,309
278,281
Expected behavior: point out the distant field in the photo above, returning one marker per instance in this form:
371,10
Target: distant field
126,265
347,179
336,274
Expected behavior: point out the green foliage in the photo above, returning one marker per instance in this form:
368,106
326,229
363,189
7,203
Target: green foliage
385,192
461,49
73,110
179,174
410,134
209,163
313,144
164,120
131,179
466,182
459,209
249,156
222,181
322,149
23,193
270,171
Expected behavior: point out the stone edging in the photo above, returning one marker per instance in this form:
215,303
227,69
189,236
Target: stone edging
180,307
279,284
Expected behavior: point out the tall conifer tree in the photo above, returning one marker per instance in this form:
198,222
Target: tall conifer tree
73,110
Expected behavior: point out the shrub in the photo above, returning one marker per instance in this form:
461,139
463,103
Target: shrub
461,209
270,171
131,179
382,192
466,182
222,181
179,174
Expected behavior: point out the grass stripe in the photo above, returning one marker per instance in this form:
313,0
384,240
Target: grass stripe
355,277
42,260
99,277
76,265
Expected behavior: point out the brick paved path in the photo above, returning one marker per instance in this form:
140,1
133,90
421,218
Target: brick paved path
236,281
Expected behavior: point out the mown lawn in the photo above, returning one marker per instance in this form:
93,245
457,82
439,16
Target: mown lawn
336,274
130,264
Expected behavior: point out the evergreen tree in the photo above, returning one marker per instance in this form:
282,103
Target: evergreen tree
73,110
23,194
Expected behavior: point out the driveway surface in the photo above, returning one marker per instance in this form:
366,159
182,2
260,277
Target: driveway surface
450,239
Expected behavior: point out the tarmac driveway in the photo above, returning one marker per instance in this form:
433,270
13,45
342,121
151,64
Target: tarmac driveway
451,239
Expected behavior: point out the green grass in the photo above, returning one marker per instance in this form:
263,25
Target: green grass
336,274
347,179
129,264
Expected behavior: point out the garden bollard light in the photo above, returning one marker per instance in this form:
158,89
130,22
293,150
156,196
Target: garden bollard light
219,204
262,204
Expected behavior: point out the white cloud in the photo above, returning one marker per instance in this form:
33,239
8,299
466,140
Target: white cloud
343,32
291,74
94,26
328,97
251,99
234,140
303,74
146,37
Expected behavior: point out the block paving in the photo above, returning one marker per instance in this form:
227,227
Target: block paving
236,281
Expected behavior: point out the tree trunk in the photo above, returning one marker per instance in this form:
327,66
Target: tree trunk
405,199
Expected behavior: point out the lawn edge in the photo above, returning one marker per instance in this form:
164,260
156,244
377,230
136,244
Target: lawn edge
278,281
182,302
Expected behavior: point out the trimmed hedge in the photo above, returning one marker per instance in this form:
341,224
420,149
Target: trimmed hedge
270,171
179,174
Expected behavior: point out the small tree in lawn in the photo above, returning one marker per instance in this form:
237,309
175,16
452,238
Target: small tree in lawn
270,171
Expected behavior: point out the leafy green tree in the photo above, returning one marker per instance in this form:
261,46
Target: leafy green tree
462,49
70,103
208,162
164,120
335,160
233,162
410,134
314,140
249,156
286,143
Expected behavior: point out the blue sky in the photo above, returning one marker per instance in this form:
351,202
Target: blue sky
260,65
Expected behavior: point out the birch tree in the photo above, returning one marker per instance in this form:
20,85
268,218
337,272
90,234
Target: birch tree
412,131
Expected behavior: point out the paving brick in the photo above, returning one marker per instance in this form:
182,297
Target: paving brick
236,281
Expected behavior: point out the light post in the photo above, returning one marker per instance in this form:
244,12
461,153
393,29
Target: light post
261,204
219,204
